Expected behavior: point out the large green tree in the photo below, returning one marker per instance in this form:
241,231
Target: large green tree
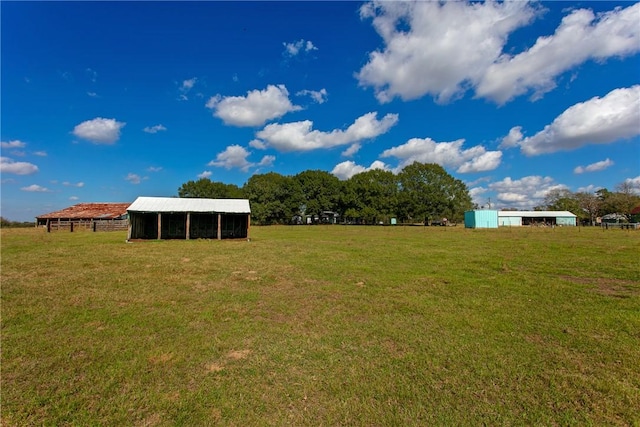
204,188
428,191
321,191
371,196
562,200
274,198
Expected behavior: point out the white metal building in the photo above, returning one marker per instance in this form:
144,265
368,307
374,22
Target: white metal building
549,218
185,218
495,219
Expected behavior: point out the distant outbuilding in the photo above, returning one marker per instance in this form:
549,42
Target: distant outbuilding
108,216
495,219
635,215
186,218
481,219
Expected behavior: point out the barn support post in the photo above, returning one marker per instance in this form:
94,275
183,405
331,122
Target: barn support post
48,225
248,226
219,226
159,226
129,228
188,224
71,226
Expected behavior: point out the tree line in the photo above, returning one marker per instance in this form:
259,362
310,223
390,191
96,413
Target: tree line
5,223
590,206
420,192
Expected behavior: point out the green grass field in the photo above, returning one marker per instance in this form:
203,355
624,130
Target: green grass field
322,325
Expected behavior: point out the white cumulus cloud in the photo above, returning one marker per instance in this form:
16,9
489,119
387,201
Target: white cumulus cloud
634,183
188,84
513,138
318,96
255,109
267,161
154,129
446,154
8,165
444,49
99,130
588,189
34,188
581,36
524,193
346,170
205,174
594,167
436,48
603,120
13,144
185,87
300,136
353,149
236,157
134,178
298,47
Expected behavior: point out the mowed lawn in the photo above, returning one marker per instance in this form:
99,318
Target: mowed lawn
322,325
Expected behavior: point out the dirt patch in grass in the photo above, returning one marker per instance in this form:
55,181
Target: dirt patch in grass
161,359
214,367
233,355
617,288
238,354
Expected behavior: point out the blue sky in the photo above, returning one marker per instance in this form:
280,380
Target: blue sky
108,101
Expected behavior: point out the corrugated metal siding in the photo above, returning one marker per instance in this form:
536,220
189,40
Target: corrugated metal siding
487,219
170,204
470,219
510,221
536,214
565,221
481,219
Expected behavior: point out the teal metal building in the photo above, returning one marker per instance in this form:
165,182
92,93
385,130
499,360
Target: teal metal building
481,219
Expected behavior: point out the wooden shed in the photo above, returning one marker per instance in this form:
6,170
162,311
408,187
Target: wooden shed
186,218
97,216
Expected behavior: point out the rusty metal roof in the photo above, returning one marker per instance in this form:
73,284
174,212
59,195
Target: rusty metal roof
90,211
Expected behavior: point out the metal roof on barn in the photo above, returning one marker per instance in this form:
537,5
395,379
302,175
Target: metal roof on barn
173,204
89,211
536,214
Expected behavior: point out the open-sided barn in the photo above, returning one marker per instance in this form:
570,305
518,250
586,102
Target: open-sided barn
184,218
543,218
111,215
495,219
